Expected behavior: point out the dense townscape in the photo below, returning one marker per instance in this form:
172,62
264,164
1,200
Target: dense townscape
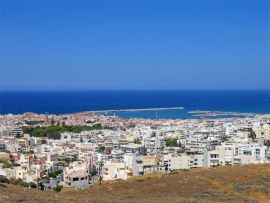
77,150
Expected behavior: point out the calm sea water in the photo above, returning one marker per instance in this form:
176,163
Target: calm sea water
58,102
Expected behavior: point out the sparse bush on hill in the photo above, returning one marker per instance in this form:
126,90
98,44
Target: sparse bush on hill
243,183
19,181
3,179
238,187
32,185
58,188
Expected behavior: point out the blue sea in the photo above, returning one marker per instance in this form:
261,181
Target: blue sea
60,102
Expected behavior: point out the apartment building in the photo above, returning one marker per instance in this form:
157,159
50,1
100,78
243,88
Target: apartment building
182,161
76,175
235,153
113,170
145,164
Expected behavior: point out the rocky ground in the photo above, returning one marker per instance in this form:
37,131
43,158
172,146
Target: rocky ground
250,183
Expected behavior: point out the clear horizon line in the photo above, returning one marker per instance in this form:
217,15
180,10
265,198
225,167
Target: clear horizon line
115,90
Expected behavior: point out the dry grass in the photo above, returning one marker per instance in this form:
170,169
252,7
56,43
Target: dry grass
223,184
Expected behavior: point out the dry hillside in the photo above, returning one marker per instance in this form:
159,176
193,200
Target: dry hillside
223,184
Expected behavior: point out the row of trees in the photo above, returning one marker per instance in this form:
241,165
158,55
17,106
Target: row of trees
55,173
8,164
54,132
68,159
18,181
33,122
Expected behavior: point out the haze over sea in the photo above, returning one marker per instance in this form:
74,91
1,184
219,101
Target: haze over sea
60,102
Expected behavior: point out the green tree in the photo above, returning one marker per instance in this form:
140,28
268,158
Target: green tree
18,135
31,152
101,149
67,159
171,142
8,164
54,132
252,135
32,185
32,122
267,143
74,157
137,141
55,173
153,134
52,121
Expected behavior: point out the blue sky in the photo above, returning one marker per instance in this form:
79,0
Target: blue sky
104,45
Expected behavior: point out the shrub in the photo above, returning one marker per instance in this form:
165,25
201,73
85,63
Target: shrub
101,149
171,142
58,188
25,184
174,172
15,181
139,180
19,181
137,141
32,185
3,179
8,164
237,187
55,174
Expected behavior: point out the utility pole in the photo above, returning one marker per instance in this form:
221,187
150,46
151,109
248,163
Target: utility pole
100,170
144,149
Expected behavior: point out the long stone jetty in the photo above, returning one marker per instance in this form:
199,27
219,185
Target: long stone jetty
144,109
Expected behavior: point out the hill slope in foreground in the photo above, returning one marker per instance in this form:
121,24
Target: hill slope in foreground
250,183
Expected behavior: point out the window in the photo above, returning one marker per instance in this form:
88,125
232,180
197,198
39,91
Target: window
75,179
214,156
246,152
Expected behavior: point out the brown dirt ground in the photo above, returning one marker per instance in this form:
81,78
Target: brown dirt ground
249,183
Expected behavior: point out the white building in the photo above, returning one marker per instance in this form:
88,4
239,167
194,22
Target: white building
114,170
76,175
235,154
